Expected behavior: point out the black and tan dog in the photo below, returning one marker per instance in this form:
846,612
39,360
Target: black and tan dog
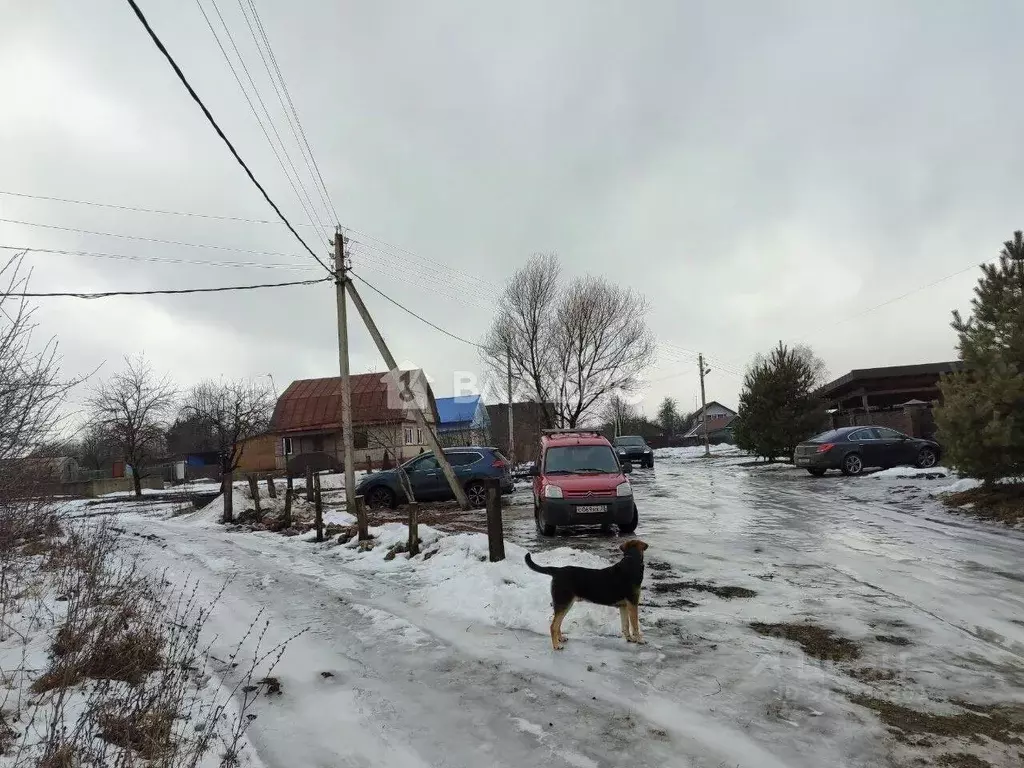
617,585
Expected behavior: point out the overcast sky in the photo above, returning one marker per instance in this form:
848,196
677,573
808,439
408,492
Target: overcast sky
760,171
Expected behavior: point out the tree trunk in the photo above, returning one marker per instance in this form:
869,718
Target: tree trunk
137,482
254,491
229,495
271,488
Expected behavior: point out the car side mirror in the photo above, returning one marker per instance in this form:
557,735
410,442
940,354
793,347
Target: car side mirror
627,467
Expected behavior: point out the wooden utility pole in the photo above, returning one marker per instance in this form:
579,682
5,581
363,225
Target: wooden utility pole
340,280
511,432
495,533
254,491
417,413
703,403
289,494
318,508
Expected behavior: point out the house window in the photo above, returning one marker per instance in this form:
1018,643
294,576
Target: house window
360,440
318,443
287,446
419,436
410,436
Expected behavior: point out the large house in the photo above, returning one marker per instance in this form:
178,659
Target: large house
307,421
463,420
719,425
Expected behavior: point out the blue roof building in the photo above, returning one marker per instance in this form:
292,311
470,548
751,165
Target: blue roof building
463,420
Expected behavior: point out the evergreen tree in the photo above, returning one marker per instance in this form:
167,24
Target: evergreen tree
778,407
668,416
981,421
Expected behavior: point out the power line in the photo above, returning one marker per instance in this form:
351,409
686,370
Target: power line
307,155
142,237
166,291
307,203
195,97
156,260
418,317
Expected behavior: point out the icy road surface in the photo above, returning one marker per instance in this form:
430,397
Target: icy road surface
447,662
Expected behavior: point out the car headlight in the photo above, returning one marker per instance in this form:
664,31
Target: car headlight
647,450
624,489
552,492
622,450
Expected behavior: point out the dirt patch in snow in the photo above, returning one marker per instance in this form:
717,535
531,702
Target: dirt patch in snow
962,760
1002,503
445,516
1004,724
727,592
816,641
893,639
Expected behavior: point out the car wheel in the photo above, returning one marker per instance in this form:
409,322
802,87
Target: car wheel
927,458
542,525
853,464
817,471
650,463
631,525
380,497
476,492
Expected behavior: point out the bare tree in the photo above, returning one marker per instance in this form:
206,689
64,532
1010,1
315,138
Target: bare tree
230,412
569,348
131,408
390,439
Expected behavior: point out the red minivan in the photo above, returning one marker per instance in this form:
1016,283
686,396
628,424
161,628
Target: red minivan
579,481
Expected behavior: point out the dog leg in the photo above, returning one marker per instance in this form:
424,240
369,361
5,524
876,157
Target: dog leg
557,638
634,618
624,618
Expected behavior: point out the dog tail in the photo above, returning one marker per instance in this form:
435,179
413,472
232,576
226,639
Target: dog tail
539,568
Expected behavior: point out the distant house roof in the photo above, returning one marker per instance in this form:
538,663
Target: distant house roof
314,405
457,410
714,425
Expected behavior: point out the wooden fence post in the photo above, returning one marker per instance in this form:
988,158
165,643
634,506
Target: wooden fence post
361,521
309,483
271,488
319,507
414,529
495,534
227,485
289,493
254,491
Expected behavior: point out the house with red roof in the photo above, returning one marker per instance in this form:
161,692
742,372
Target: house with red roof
307,421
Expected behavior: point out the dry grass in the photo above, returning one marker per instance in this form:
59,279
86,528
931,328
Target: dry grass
727,592
816,641
147,734
962,760
1002,503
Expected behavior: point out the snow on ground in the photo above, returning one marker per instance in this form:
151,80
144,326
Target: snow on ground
444,659
896,472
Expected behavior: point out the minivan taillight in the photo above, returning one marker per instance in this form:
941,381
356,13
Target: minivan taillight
499,464
825,447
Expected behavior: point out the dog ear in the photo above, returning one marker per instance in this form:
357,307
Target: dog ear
624,546
643,545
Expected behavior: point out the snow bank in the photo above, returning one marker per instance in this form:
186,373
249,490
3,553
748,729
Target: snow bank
695,451
963,484
455,578
911,472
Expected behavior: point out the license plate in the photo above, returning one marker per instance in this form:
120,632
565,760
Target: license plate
592,510
803,461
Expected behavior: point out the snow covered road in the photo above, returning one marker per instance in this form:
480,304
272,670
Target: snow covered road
447,663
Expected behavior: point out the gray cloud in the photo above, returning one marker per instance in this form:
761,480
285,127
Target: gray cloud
756,169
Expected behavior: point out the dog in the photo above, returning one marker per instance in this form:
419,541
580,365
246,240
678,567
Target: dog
617,585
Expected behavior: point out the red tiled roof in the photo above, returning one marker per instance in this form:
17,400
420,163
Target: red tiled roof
315,404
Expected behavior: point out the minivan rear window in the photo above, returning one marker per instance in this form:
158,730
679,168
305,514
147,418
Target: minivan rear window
580,459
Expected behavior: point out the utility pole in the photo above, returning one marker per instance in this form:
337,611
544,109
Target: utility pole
340,279
511,433
704,403
417,413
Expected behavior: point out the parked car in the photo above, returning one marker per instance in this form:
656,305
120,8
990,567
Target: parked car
634,448
852,449
473,466
580,481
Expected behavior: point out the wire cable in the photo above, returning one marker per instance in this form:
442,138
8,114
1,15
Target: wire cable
409,311
307,154
306,202
157,260
141,237
195,97
166,291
